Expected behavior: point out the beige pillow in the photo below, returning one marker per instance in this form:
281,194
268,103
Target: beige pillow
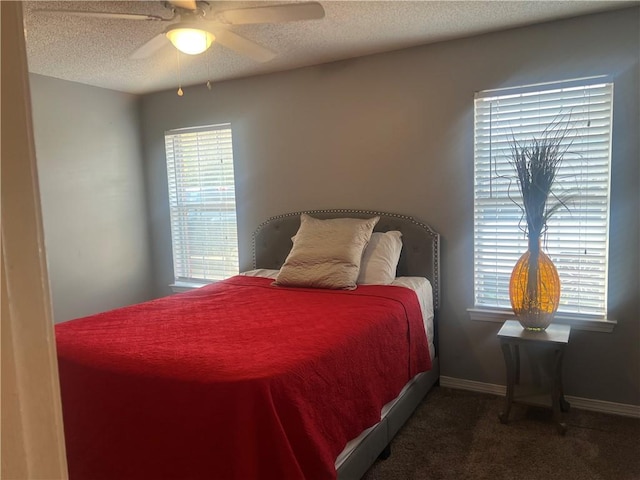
326,253
380,259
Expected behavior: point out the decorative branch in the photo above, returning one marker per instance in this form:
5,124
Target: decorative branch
536,163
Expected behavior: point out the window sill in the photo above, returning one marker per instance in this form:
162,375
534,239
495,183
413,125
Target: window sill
577,322
180,287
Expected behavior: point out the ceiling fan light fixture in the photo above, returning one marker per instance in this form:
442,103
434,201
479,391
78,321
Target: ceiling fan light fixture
190,40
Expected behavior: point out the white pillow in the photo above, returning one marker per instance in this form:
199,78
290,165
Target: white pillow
326,253
380,259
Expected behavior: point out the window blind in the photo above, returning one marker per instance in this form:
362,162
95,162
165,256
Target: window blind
202,203
577,236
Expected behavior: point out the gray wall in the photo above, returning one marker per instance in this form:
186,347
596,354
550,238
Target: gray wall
92,192
394,132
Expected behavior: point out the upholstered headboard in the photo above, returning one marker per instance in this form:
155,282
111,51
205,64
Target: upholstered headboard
420,255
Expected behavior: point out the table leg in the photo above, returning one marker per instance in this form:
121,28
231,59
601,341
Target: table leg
516,350
511,377
564,405
557,395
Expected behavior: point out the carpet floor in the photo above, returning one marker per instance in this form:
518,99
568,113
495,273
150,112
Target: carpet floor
456,435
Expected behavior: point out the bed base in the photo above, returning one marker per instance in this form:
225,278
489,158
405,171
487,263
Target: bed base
379,438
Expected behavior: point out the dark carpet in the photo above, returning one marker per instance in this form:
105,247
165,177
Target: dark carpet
456,434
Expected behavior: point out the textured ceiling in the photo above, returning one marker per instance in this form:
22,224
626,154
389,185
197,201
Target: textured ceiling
96,51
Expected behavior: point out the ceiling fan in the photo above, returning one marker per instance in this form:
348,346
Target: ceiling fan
193,26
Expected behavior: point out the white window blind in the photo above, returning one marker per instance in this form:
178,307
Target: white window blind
577,236
202,203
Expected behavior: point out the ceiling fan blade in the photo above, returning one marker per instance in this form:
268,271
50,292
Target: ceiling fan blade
151,47
109,15
241,45
186,4
271,14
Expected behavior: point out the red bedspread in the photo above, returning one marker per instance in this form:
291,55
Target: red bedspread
236,380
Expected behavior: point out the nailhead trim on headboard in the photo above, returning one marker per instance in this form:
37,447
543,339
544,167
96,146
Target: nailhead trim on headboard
430,232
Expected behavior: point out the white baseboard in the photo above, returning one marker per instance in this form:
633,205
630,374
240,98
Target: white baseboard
577,402
459,383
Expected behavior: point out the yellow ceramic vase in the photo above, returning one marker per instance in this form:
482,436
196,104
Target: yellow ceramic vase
534,288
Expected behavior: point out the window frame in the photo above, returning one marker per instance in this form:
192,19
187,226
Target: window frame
209,194
500,313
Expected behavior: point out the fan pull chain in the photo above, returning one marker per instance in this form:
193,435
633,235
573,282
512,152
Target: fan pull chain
209,86
180,92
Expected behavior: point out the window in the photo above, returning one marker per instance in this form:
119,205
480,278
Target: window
202,203
577,236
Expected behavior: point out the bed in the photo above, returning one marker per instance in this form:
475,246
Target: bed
148,393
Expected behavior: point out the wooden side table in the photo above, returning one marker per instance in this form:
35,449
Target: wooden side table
554,339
